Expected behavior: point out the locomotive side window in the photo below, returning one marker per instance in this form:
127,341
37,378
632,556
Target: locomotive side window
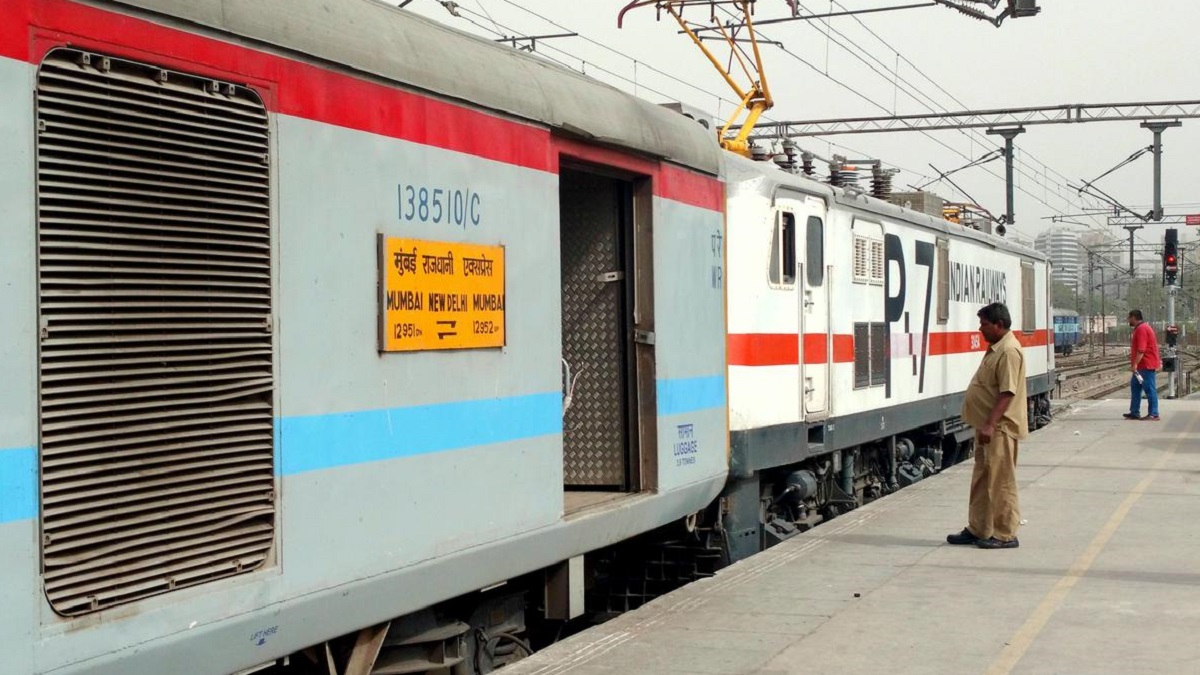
862,260
783,250
1028,312
943,281
868,260
814,246
155,375
877,261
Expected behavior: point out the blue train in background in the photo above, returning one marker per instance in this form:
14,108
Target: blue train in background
1066,331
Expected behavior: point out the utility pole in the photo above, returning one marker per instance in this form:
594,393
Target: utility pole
1157,128
1132,229
1103,317
1008,135
1091,304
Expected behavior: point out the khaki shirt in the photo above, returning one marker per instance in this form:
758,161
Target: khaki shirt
1001,370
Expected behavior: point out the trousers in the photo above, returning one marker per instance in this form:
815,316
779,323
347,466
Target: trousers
995,508
1148,385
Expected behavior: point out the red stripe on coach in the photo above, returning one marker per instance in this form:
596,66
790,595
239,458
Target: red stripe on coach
764,349
814,348
783,349
942,344
668,181
692,188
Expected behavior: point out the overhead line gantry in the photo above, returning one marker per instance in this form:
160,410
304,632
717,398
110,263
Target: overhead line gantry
1007,123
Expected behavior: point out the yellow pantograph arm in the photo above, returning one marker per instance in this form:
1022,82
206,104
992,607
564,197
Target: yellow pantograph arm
756,99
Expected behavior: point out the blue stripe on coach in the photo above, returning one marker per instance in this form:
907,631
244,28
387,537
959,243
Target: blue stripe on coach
676,397
318,442
325,441
18,484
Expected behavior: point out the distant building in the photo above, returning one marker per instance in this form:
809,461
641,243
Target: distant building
1095,239
1063,248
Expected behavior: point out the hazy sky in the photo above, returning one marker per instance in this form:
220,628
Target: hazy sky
1075,51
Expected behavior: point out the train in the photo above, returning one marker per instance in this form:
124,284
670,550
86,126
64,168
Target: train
337,340
1066,331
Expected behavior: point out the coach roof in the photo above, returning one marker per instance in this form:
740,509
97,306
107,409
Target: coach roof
380,40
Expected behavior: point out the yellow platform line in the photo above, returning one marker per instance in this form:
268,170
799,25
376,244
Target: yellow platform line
1028,632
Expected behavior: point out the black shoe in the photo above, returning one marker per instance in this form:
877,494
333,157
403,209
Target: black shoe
1131,416
997,543
964,538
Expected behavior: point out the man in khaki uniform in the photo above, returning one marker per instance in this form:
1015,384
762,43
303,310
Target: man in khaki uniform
995,406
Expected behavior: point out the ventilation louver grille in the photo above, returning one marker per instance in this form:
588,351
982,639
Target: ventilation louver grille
156,349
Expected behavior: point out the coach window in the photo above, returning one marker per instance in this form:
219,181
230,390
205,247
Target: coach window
783,249
814,246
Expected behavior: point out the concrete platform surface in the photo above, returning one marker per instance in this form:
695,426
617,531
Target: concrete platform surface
1107,578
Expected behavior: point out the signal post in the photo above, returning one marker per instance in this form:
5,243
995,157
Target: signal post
1170,277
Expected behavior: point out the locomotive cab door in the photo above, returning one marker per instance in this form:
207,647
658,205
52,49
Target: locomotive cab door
814,310
802,220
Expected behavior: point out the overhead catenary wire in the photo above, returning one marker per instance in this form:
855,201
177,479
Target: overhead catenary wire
674,78
1045,168
896,78
931,104
939,87
584,64
989,157
1124,162
502,30
925,133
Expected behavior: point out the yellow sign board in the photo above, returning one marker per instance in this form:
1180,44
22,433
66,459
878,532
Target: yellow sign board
440,295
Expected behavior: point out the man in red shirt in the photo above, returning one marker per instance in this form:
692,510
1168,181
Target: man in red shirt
1143,361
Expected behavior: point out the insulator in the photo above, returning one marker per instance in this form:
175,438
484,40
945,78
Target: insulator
881,185
834,177
843,177
787,160
808,167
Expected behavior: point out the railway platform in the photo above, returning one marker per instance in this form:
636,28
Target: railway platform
1106,580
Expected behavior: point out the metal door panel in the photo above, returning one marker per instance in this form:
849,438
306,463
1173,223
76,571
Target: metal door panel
594,335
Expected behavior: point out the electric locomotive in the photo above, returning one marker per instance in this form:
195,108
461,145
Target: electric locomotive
852,339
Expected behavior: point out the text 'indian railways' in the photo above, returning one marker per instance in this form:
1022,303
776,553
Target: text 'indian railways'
977,285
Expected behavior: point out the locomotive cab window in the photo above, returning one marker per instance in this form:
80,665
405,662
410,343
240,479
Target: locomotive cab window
783,249
814,248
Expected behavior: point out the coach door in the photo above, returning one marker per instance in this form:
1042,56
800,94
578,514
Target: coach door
599,359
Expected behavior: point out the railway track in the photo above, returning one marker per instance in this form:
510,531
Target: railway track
1102,379
1090,367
